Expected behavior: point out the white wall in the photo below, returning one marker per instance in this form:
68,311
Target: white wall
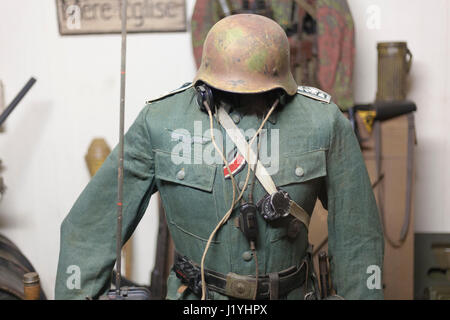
76,99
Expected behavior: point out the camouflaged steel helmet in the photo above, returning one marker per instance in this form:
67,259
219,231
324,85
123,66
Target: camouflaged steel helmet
246,53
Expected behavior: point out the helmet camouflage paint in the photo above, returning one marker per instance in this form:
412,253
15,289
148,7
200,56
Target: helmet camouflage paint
246,53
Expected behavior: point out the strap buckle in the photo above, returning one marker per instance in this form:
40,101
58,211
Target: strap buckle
311,295
241,287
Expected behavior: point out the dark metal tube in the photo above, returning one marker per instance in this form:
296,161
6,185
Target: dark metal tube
16,100
121,148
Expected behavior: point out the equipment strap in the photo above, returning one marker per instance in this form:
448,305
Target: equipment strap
239,140
274,284
261,173
409,180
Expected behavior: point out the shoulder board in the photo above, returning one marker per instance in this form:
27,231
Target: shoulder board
314,93
182,88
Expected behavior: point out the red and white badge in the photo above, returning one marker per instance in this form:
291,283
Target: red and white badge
235,165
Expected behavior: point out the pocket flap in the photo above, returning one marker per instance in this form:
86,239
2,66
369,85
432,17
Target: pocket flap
301,167
173,168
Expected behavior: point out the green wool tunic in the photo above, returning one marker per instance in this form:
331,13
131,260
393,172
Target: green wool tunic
313,155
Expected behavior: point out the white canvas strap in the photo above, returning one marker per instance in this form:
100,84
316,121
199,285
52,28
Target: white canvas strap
261,173
239,140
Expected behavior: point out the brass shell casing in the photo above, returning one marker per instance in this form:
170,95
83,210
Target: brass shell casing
31,286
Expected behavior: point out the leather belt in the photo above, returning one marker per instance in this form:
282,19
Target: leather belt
270,286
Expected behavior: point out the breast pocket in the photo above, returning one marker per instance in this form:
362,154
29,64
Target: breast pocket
187,192
301,176
295,168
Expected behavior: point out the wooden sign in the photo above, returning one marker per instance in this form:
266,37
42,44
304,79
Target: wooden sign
103,16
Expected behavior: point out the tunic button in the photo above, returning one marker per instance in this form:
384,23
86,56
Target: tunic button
181,174
299,172
241,185
247,255
236,118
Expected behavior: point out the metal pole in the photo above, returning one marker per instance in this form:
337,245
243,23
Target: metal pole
16,100
121,147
